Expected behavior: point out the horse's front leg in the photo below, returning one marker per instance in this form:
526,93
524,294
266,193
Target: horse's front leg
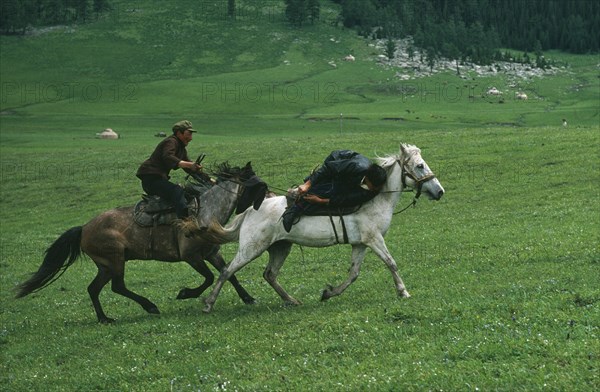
225,275
245,254
358,255
200,266
118,286
277,255
216,259
381,250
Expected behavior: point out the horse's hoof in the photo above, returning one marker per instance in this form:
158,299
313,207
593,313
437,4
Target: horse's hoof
184,294
292,302
207,308
404,294
327,293
153,310
106,320
249,301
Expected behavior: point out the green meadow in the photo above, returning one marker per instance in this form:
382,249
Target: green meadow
503,270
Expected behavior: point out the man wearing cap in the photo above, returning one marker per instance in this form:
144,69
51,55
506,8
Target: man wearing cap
170,154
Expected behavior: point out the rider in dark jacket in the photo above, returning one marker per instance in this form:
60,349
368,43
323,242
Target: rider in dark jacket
170,154
345,179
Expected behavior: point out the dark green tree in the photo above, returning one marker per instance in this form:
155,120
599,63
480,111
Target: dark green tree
17,15
296,12
82,9
231,8
390,48
359,14
313,9
430,57
410,51
99,6
577,38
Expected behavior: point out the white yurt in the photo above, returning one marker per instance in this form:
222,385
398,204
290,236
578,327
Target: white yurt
107,134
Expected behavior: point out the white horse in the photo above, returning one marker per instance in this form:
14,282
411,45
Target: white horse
262,230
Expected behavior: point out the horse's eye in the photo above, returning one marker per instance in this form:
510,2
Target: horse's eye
420,166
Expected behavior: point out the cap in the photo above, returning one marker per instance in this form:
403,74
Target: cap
182,126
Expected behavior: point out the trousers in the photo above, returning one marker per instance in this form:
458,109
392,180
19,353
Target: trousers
166,190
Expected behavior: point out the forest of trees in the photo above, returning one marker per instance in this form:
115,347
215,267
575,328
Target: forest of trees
456,29
297,12
17,15
477,28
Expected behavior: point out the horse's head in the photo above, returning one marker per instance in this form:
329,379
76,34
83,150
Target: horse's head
417,174
252,189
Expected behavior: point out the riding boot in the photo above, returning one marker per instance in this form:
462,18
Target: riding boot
291,216
181,204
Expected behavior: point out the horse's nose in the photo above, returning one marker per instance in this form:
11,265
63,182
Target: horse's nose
440,194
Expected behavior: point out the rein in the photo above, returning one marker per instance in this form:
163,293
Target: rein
227,177
413,203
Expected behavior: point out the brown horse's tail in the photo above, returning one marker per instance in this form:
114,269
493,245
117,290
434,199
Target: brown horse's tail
59,256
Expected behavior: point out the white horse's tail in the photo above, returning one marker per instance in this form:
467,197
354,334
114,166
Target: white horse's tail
218,234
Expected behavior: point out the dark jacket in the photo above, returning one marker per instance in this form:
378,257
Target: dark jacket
340,177
166,157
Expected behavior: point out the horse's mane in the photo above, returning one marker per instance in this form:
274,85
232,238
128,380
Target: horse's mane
224,171
388,161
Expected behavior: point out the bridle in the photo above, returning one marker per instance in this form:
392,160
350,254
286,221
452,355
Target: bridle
419,181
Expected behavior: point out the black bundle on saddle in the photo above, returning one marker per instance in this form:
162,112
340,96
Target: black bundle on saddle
154,211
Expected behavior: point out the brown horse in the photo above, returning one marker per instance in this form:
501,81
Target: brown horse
112,238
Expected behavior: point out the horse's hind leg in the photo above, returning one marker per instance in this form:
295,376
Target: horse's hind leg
277,255
116,273
94,289
358,255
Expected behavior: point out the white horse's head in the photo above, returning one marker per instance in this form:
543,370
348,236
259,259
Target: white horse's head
415,173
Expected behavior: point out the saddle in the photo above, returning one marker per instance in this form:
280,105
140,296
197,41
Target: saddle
153,211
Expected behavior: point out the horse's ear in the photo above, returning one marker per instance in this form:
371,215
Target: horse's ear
249,165
402,149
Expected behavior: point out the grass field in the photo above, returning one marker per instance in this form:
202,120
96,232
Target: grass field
503,271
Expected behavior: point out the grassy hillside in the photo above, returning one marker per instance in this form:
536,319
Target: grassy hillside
503,270
144,65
